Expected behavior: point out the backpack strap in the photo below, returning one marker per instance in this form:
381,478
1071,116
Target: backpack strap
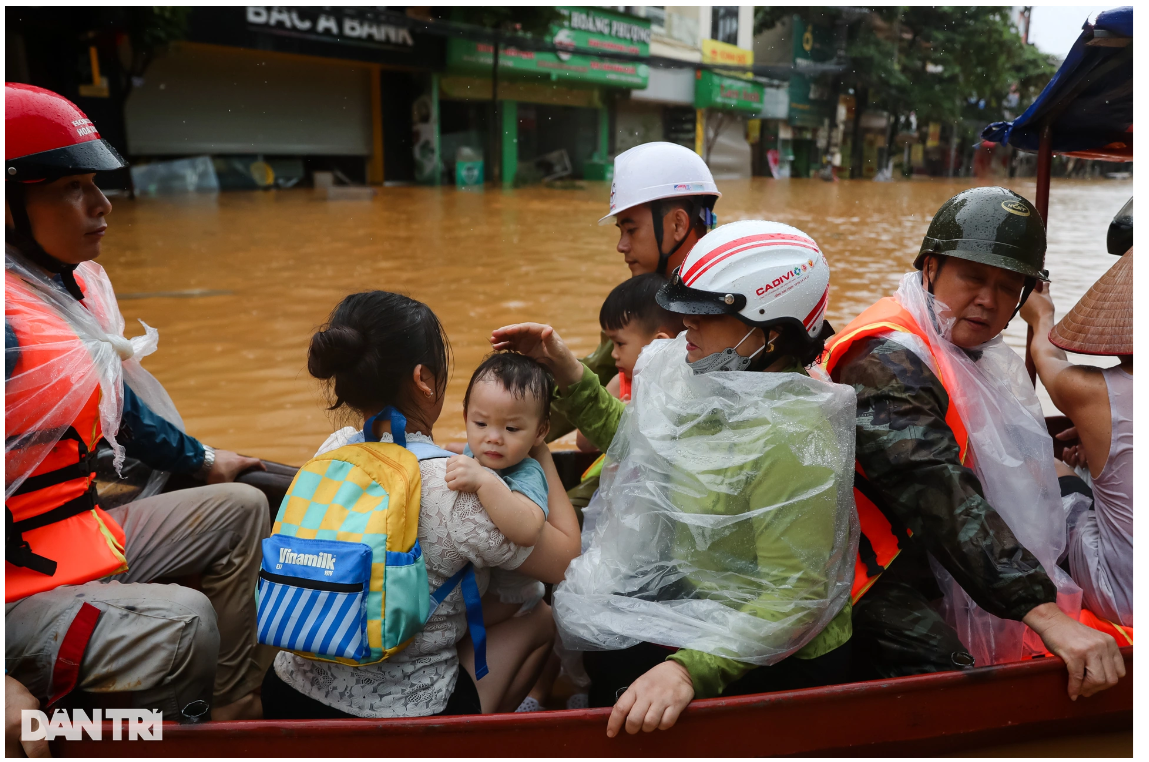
422,450
465,579
425,451
398,426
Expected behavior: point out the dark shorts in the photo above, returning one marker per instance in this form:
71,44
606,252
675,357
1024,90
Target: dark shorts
611,672
282,702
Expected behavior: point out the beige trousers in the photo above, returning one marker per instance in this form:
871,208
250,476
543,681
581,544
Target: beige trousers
174,648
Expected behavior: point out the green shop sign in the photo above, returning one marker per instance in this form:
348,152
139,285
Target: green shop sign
582,29
811,99
717,91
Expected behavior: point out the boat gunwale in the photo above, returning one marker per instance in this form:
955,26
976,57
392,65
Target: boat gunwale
1028,700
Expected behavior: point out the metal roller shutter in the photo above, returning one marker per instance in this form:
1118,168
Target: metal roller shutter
201,99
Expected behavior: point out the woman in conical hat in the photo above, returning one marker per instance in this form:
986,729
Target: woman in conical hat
1100,404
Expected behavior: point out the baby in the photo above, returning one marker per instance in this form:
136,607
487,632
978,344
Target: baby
507,413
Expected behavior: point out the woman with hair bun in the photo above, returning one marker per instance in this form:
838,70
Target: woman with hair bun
382,349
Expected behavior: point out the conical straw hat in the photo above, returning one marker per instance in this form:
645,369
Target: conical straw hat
1102,322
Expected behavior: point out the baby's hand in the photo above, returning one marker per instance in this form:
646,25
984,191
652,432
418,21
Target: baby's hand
465,474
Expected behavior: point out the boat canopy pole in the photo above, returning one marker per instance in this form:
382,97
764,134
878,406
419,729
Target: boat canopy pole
1044,165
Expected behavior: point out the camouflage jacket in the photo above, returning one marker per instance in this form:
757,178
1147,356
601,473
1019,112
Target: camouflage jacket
910,456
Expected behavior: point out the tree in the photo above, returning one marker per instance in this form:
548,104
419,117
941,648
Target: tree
944,63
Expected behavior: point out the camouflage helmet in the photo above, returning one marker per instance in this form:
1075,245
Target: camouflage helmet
994,226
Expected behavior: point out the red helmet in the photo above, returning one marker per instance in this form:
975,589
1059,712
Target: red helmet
46,136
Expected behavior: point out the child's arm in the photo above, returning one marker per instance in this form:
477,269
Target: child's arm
515,514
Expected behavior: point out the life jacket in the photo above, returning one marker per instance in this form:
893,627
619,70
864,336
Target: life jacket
881,541
624,384
55,534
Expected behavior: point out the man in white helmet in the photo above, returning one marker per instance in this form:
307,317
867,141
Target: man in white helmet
753,297
662,201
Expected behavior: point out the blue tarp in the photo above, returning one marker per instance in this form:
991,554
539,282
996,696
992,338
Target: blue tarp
1090,97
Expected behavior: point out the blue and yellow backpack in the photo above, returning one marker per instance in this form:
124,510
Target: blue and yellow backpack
343,577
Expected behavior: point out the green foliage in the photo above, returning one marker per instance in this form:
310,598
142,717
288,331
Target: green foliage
158,25
532,20
766,17
942,61
932,60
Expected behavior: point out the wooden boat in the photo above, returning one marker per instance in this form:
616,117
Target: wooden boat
940,713
927,714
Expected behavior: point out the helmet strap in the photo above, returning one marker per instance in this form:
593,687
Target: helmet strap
657,217
941,260
1030,284
20,236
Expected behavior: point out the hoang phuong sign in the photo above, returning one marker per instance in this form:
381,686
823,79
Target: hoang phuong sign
582,30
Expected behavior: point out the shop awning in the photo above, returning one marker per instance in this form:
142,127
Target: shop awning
1089,102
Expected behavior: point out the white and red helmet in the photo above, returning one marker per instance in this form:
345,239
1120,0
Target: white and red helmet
764,273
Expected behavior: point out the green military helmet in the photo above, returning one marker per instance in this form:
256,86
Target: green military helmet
994,226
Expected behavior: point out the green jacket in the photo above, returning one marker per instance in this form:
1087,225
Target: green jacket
770,552
602,365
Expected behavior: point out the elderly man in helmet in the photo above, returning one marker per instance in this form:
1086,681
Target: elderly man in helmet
662,201
956,489
78,610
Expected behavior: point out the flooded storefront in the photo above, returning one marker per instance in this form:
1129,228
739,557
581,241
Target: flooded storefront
237,282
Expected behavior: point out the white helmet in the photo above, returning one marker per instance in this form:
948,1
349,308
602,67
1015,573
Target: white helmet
653,171
765,273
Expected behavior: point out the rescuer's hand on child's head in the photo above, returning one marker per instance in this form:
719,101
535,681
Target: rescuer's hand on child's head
542,343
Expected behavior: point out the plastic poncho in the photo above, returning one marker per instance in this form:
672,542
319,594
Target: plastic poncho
1012,454
102,356
727,520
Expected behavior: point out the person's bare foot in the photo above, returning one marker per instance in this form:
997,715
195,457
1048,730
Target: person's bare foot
250,707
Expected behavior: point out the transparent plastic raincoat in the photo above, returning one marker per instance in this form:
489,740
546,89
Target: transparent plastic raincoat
727,520
1012,454
43,401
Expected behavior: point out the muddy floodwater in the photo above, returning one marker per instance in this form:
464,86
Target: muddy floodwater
237,282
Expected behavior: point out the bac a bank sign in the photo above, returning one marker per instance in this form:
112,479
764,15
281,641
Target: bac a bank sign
327,25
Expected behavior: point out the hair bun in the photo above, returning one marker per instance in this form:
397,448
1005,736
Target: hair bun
338,348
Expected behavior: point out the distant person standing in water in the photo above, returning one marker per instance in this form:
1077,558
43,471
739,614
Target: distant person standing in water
1100,404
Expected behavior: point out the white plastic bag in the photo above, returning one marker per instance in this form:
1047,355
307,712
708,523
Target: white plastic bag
1011,452
727,520
42,402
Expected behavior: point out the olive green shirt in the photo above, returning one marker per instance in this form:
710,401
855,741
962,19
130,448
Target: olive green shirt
602,365
597,414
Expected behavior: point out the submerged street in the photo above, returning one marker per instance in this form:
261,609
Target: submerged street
237,282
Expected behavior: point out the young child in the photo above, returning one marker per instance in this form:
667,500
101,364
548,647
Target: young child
631,319
507,412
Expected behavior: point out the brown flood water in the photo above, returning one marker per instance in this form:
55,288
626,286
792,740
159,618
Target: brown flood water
269,267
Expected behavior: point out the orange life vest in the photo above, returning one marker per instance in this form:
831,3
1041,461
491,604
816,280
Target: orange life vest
54,532
623,387
880,542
